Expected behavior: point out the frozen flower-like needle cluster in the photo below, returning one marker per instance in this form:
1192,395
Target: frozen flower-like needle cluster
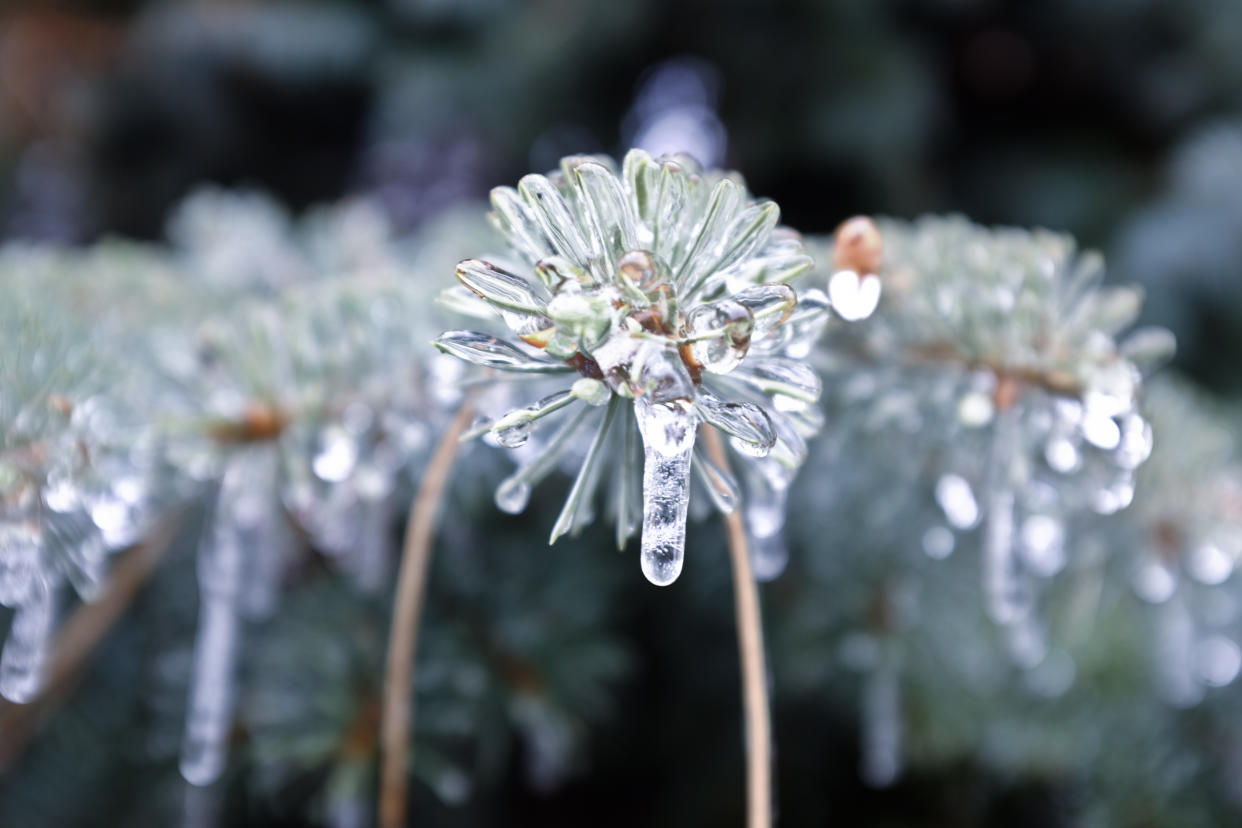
664,289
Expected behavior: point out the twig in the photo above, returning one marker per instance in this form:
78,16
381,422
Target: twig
80,635
403,637
750,650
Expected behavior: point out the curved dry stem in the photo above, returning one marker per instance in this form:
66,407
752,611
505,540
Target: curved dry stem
403,637
750,650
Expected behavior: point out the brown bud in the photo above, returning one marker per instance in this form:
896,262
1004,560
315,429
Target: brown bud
61,403
858,246
1008,387
538,339
640,268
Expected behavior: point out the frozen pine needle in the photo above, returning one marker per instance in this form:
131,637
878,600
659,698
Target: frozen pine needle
662,293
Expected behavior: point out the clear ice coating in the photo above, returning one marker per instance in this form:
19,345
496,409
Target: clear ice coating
668,432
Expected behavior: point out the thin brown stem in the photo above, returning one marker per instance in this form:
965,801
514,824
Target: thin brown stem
80,635
750,650
403,637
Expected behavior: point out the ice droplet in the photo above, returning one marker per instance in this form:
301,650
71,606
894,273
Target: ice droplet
26,649
731,323
1101,430
975,409
1043,544
338,452
854,297
768,556
938,543
1209,564
514,429
1217,660
765,507
512,495
1062,455
770,304
1154,582
668,432
749,428
957,500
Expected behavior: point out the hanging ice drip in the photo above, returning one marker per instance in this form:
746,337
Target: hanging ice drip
876,654
241,562
662,293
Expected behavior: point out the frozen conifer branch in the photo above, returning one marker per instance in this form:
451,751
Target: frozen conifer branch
77,466
661,293
1184,541
1002,345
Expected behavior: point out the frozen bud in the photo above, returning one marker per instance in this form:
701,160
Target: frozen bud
638,267
858,246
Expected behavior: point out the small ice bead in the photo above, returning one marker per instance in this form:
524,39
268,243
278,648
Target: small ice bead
337,455
732,322
660,375
854,297
512,495
768,556
770,305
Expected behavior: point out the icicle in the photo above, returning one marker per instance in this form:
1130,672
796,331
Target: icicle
30,639
210,708
1003,583
260,527
1001,569
374,544
881,724
668,431
241,523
